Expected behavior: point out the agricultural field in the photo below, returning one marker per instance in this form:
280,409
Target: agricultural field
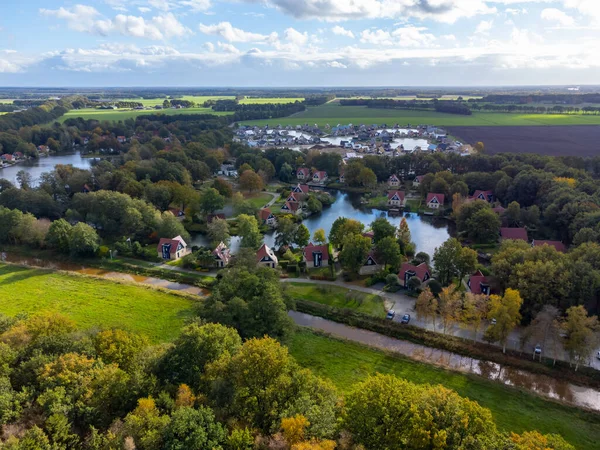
261,101
199,99
123,114
93,302
333,114
338,297
552,140
346,363
6,101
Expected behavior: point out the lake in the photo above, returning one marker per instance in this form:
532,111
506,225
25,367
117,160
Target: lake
427,232
45,164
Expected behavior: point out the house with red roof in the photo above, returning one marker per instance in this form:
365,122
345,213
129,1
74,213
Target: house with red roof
7,157
516,234
266,217
303,173
559,246
266,257
487,196
499,210
300,189
292,198
478,283
371,265
435,201
222,255
418,180
393,181
396,199
43,148
291,208
172,249
408,270
316,255
121,139
319,177
18,155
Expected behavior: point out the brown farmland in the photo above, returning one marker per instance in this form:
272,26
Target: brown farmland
564,140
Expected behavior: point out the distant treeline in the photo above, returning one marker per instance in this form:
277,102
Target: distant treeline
123,104
444,106
5,107
39,115
316,100
267,111
568,99
530,109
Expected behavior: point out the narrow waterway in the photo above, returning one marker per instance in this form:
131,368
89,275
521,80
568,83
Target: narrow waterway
538,384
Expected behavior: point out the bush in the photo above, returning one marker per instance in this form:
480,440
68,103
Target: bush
103,251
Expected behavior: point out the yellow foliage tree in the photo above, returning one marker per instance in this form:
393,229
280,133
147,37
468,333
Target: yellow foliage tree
506,311
294,428
572,182
185,396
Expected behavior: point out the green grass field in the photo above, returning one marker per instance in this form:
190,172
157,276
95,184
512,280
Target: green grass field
338,297
513,410
199,99
92,302
6,101
333,114
259,200
122,114
260,101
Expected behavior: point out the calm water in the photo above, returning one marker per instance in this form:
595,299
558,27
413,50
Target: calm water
408,143
538,384
45,164
427,232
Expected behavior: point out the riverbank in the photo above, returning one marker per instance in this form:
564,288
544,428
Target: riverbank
346,363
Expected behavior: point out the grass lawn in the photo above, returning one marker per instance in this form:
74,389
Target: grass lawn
377,202
333,113
122,114
513,410
339,297
93,302
258,200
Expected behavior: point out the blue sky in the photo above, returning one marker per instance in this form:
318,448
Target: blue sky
282,43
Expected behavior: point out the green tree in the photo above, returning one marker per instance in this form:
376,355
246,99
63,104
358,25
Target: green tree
197,346
211,200
404,233
459,187
506,312
194,429
313,204
319,236
484,226
302,236
24,179
367,177
218,231
286,231
241,438
388,252
171,226
59,235
452,260
382,228
146,425
581,331
250,301
84,240
512,214
254,385
249,232
119,347
286,173
342,228
354,253
223,187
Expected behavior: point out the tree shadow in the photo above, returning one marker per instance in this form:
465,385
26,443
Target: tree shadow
14,274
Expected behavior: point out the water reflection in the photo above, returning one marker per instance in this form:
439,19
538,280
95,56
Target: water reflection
539,384
427,232
45,164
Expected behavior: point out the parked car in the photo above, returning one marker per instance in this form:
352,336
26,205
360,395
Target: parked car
538,349
493,321
405,318
391,314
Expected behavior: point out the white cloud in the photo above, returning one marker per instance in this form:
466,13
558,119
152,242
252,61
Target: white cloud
143,9
376,37
161,5
448,37
209,46
448,11
8,67
197,5
337,65
232,34
515,11
228,48
85,19
295,37
484,27
341,31
557,16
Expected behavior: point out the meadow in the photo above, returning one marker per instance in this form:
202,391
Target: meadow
93,302
123,114
333,114
346,363
261,101
338,297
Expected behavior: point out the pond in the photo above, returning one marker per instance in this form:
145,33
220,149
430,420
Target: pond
427,233
45,164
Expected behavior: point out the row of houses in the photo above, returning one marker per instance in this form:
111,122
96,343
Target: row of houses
318,176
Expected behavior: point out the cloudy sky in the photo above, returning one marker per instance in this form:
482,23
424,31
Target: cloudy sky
299,42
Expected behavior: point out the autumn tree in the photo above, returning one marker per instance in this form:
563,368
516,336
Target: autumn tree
506,311
251,181
404,236
146,425
319,236
449,306
426,306
342,228
218,231
474,311
582,337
